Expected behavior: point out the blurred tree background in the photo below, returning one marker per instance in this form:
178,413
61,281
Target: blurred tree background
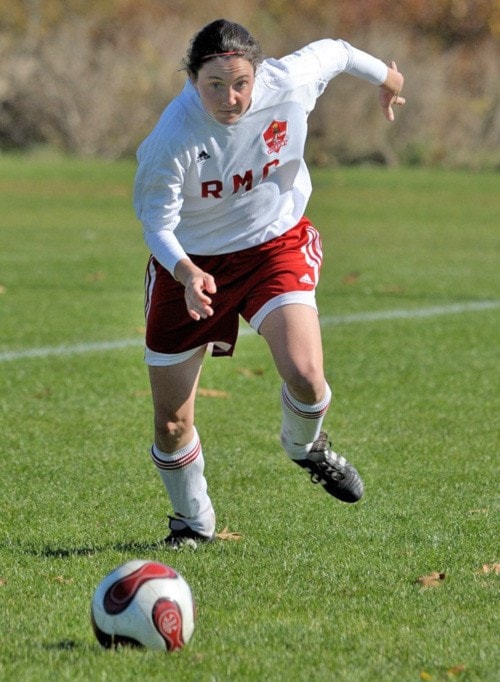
90,77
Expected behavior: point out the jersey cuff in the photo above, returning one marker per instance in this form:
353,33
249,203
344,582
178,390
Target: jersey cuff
363,65
166,248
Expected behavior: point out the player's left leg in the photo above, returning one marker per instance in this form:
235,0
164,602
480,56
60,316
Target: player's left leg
294,337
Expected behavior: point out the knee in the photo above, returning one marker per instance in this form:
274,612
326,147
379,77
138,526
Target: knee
171,432
308,387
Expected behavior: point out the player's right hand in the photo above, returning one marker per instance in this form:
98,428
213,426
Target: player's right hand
198,286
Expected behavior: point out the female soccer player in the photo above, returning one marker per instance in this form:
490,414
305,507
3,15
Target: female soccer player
221,189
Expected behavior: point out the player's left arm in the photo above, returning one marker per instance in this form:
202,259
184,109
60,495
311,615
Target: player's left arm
390,91
364,65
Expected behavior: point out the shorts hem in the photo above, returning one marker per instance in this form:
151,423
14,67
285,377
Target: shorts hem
155,359
304,297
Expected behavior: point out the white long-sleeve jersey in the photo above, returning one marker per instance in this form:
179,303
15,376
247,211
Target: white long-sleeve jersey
206,188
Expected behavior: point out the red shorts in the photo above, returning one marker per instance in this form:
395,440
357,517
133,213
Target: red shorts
250,283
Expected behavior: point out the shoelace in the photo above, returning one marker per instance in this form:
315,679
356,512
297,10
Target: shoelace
332,473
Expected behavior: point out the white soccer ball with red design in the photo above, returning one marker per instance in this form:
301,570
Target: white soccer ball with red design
143,604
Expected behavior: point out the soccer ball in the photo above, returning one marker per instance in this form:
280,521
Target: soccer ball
143,604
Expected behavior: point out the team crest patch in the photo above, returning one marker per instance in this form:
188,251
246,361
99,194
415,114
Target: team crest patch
275,136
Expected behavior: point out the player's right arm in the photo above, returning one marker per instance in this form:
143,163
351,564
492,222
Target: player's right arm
158,201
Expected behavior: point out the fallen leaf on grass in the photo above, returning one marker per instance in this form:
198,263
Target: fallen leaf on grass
456,670
2,582
212,393
61,579
351,278
432,580
490,568
3,289
228,535
95,277
250,373
44,393
450,673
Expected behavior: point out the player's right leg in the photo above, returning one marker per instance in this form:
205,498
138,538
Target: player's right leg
177,451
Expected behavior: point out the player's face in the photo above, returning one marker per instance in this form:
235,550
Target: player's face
225,87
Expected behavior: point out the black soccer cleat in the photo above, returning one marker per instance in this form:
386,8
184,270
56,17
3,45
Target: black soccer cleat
181,535
336,475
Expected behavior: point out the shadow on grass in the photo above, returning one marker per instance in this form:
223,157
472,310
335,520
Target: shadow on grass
63,645
68,552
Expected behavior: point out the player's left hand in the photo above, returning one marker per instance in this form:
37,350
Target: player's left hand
389,92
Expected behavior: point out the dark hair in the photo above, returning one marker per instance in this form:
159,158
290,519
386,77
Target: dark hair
221,38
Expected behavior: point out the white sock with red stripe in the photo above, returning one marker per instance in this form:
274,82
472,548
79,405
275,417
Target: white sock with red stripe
301,424
182,475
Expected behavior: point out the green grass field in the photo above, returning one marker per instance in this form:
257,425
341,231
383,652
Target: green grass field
314,590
